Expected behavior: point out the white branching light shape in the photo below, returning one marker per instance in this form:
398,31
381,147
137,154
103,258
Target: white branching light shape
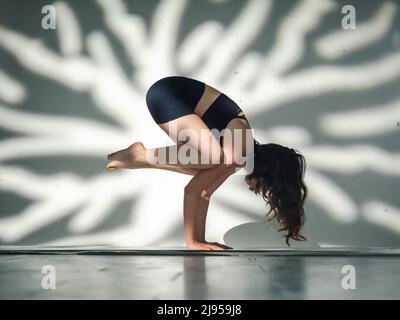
210,51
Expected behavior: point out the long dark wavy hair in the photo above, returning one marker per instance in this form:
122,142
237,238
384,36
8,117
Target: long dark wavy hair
278,176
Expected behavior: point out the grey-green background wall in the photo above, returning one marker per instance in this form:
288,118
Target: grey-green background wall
70,96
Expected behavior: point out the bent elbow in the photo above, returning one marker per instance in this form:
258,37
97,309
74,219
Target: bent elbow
191,190
205,195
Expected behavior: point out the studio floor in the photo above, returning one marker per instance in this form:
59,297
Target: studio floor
176,273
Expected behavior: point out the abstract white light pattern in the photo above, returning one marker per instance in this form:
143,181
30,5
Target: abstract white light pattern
217,54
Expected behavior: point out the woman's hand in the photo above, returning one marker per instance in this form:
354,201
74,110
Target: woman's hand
220,245
197,245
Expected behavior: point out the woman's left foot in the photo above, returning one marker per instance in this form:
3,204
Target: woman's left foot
126,158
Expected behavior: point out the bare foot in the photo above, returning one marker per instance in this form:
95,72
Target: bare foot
126,158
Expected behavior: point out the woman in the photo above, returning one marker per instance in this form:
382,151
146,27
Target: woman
211,121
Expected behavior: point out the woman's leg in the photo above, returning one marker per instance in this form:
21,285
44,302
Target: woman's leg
190,132
196,148
134,157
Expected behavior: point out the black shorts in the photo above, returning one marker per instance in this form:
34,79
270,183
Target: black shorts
173,97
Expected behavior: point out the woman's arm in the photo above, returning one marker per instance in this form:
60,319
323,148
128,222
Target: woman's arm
200,187
204,202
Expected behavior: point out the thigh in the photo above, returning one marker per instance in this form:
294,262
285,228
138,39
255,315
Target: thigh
192,130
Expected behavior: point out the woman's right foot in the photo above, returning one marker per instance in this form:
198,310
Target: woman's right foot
127,158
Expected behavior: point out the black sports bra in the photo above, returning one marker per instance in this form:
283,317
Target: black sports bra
221,112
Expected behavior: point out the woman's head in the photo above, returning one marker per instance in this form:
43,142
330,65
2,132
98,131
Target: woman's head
278,177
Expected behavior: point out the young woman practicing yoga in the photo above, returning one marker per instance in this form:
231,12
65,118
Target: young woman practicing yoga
208,125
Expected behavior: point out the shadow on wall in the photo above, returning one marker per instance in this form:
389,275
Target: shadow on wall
262,235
